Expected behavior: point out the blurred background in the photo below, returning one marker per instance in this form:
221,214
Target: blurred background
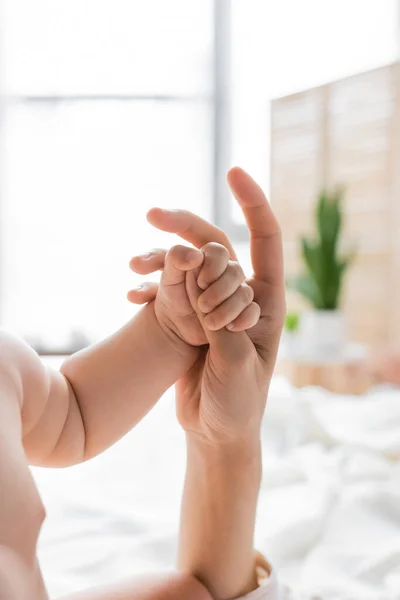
111,108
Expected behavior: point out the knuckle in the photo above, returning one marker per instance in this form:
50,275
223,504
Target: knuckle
236,270
186,218
215,249
186,213
246,293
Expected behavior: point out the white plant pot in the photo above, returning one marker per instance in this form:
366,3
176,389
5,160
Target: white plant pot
291,343
323,333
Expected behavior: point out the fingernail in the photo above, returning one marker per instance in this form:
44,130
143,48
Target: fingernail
138,288
145,255
231,326
201,284
192,254
204,305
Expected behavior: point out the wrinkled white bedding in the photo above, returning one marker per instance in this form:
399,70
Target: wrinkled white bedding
329,512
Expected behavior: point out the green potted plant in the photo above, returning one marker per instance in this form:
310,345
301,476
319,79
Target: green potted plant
321,283
292,321
291,333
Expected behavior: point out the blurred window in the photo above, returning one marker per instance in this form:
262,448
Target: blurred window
282,47
111,107
108,110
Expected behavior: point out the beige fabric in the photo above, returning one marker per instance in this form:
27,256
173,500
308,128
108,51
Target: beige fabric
269,589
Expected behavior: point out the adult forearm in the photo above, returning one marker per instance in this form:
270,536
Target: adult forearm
117,381
218,516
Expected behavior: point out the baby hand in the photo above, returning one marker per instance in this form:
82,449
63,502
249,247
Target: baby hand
226,298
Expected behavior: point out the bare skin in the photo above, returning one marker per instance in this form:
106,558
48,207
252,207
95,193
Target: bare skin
60,418
221,402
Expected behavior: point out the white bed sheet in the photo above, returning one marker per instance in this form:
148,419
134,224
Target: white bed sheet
329,512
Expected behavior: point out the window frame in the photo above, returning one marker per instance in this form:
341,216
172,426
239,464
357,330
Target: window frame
221,108
223,123
219,101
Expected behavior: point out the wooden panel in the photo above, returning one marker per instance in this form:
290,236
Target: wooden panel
340,378
395,217
346,133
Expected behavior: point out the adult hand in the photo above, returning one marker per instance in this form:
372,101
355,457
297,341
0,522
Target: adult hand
223,395
222,398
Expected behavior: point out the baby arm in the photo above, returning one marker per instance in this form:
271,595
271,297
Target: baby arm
23,377
99,394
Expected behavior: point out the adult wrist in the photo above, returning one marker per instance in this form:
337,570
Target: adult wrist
237,448
218,514
235,460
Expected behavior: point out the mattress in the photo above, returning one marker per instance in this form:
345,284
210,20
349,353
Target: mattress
329,510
